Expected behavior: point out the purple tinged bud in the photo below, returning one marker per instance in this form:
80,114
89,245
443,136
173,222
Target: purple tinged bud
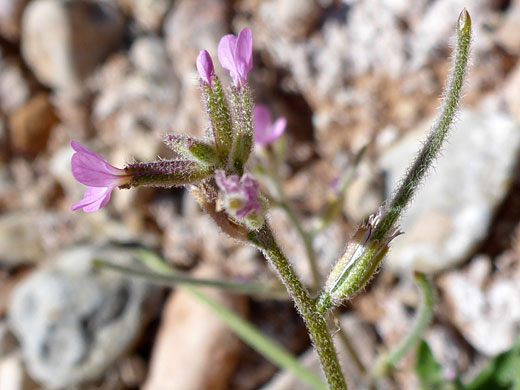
205,67
235,54
266,132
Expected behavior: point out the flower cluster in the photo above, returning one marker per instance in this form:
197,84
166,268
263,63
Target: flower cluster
215,163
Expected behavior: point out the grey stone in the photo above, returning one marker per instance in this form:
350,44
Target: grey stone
452,211
64,41
73,321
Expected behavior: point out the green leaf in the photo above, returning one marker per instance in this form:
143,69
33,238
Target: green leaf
501,373
428,369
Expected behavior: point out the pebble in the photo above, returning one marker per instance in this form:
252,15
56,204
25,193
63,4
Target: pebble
194,349
452,210
31,125
10,16
63,42
73,321
484,307
20,239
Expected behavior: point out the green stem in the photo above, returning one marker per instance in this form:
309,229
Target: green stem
386,362
306,238
263,239
433,144
175,279
363,257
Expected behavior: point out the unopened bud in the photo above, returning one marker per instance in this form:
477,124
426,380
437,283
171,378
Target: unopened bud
193,149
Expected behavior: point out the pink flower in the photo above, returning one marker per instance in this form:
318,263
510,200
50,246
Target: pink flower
266,131
240,196
205,66
91,169
235,53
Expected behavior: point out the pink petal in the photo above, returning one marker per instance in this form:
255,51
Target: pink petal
93,199
91,169
225,51
205,66
244,53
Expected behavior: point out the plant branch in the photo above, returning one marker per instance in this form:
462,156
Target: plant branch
263,239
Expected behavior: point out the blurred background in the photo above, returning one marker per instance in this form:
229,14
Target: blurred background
116,75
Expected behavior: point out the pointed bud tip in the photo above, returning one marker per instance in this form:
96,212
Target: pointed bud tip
464,24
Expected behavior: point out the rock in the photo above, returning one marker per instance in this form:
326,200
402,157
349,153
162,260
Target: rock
72,321
12,374
149,56
14,89
512,92
507,33
452,213
31,125
63,41
149,14
192,26
20,239
485,307
292,18
10,16
7,341
194,349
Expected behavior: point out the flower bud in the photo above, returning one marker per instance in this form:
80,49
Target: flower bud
358,264
193,149
205,67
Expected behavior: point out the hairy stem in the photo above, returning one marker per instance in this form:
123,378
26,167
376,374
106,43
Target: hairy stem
433,144
362,259
263,239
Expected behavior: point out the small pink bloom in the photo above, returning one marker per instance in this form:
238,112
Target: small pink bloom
239,195
205,66
235,53
266,131
91,169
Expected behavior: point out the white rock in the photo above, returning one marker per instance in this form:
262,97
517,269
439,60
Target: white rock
72,322
452,211
486,312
